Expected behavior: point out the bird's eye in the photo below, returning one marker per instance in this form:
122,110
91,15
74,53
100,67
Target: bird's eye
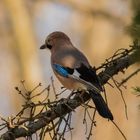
49,46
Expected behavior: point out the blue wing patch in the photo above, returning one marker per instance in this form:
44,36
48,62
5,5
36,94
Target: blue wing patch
61,70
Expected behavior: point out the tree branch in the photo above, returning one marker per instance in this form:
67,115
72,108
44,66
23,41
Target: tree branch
68,105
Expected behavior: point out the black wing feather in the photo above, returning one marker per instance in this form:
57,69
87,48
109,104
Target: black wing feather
89,74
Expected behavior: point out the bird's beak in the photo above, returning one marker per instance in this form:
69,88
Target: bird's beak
43,46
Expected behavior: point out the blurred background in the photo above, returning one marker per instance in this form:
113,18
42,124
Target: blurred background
98,28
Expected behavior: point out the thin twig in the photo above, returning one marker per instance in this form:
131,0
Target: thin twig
130,76
119,130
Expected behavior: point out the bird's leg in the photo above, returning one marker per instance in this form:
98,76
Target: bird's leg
80,92
65,102
71,94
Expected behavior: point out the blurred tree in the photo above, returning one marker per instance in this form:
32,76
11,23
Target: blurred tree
101,27
25,44
134,28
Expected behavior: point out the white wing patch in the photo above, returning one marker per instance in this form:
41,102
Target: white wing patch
76,73
76,76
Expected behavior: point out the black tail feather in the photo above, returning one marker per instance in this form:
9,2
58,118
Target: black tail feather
100,105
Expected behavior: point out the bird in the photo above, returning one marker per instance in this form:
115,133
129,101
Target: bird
73,70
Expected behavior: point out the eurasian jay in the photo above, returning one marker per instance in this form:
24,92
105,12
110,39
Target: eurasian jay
73,70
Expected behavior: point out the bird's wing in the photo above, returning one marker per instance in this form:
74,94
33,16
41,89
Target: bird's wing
82,74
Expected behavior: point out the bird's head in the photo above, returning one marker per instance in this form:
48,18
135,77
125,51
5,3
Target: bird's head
54,39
